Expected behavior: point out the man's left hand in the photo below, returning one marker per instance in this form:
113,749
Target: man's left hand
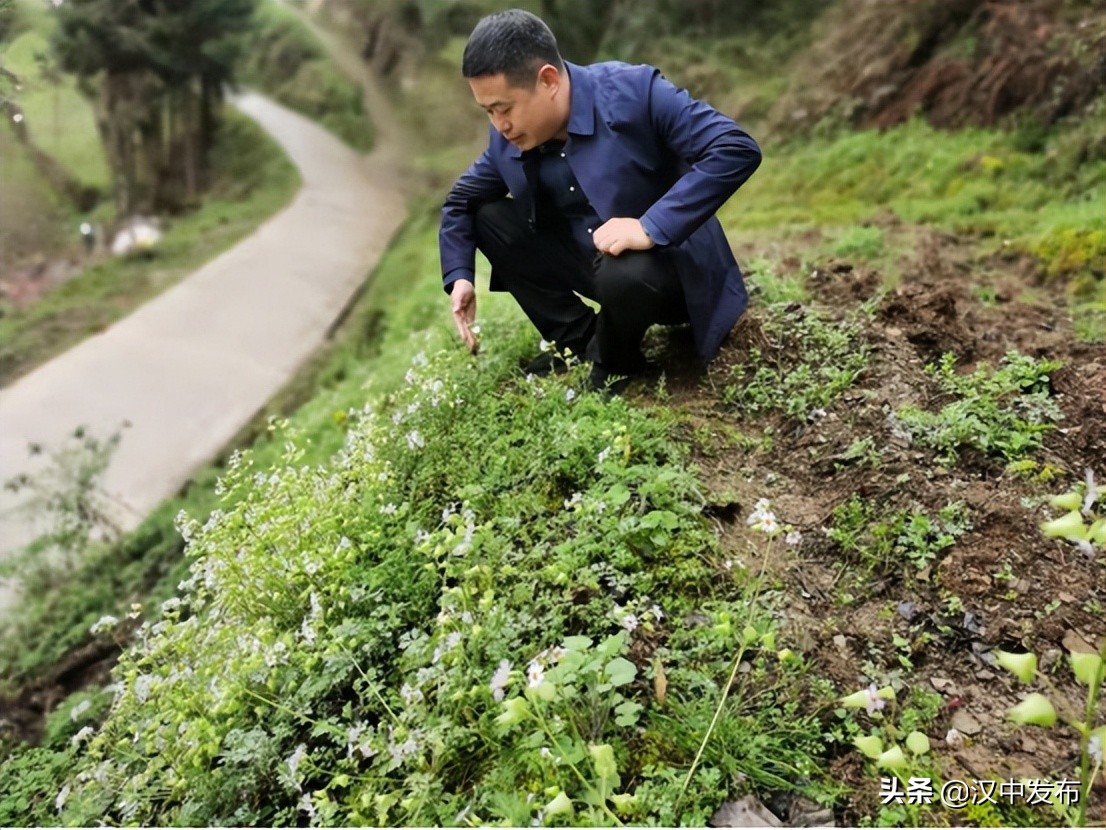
617,235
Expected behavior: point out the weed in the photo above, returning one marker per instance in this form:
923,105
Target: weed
1002,413
864,243
811,361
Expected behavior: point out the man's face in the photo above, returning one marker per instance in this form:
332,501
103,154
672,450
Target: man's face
525,116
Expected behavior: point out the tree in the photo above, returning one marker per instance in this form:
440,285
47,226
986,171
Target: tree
157,69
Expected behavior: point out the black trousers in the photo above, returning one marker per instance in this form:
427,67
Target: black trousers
544,269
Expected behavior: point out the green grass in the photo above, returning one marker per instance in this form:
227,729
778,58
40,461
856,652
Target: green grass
58,117
253,179
1044,202
32,216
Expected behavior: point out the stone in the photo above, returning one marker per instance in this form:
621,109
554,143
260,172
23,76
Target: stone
965,723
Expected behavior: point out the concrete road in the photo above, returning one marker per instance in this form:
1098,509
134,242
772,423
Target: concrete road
194,365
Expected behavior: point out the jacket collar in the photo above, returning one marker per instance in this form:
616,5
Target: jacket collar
581,108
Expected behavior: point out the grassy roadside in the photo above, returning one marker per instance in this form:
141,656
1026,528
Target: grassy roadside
288,62
253,180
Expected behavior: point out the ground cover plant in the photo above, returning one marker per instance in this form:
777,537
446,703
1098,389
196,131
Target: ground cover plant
461,625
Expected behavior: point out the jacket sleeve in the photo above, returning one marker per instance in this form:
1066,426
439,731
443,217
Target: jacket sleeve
720,154
478,185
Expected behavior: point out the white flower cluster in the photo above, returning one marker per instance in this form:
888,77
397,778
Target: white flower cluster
500,679
763,520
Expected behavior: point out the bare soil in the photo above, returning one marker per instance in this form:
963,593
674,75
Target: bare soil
1002,585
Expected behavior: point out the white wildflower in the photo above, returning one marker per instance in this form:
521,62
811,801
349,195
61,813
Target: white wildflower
420,359
82,736
410,377
630,622
382,476
388,509
545,753
63,796
105,623
557,654
536,674
767,524
500,679
410,694
293,761
570,393
793,538
603,454
421,536
307,805
875,702
415,440
658,614
1094,747
78,710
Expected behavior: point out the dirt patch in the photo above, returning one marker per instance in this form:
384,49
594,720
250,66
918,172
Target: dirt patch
1001,585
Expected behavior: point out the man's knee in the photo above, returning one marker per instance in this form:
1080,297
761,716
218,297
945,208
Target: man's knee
619,278
499,226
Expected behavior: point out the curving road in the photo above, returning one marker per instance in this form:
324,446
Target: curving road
193,366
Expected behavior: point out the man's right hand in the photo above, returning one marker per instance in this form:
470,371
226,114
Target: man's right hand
463,297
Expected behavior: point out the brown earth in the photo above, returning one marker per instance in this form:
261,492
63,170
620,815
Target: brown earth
1001,585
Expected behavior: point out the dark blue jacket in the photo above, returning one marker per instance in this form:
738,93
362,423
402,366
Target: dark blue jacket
640,148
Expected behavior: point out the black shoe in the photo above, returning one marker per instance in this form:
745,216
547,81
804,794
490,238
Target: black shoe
554,361
547,363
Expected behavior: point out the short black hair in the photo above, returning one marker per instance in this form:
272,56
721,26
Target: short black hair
515,43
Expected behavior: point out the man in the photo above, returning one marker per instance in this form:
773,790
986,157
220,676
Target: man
600,181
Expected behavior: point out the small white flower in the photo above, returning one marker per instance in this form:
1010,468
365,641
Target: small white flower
767,524
410,377
381,476
307,805
78,710
603,454
410,694
570,394
103,624
557,654
536,674
793,538
530,377
420,359
293,761
545,753
1094,747
630,622
415,440
500,679
63,796
658,614
388,509
18,118
82,736
475,329
875,702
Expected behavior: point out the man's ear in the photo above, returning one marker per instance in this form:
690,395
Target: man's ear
549,78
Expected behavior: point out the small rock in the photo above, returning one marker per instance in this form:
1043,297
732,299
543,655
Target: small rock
1028,744
984,674
954,740
1050,658
907,610
1064,596
965,723
745,812
1074,642
805,813
841,642
944,685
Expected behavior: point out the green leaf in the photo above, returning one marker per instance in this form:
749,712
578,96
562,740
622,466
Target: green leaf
1022,666
602,756
1085,666
917,743
1068,501
1036,709
627,713
870,745
578,643
561,805
1069,526
621,671
892,759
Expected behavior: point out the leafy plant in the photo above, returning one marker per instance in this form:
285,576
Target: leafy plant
810,362
883,542
1002,413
